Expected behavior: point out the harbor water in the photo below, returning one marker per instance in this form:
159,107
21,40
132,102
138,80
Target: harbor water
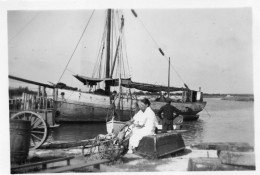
222,121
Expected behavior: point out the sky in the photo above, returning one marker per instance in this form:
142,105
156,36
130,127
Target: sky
209,48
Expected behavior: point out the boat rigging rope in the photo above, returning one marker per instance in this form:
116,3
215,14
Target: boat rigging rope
99,53
98,66
22,29
177,73
207,112
124,46
77,45
160,50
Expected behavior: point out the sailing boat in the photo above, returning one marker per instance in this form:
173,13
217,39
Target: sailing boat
93,107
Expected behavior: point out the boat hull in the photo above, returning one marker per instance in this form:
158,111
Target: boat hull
186,108
89,107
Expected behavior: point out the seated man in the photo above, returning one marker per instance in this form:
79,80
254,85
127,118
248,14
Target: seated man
147,122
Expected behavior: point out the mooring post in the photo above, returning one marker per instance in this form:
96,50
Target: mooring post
54,96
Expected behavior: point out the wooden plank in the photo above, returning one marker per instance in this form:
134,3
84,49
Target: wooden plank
212,164
237,158
42,163
69,144
30,82
227,146
95,163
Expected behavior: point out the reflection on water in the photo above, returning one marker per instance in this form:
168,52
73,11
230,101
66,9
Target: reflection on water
229,121
77,131
194,133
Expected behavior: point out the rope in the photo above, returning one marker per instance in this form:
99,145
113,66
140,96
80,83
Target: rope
207,112
134,13
71,71
124,45
149,33
112,39
76,45
177,73
100,53
29,22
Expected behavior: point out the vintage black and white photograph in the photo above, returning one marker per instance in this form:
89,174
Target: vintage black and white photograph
103,88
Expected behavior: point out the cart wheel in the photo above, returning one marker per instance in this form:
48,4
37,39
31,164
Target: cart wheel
38,127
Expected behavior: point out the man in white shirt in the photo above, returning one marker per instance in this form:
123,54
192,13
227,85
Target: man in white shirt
146,125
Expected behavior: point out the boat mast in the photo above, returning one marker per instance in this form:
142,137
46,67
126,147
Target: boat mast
120,66
169,78
107,86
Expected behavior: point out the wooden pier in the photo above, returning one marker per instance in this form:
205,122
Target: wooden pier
231,157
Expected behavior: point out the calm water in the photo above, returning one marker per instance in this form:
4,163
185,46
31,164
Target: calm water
229,121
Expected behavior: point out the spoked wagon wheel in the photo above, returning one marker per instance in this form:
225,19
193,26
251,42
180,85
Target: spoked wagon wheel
38,127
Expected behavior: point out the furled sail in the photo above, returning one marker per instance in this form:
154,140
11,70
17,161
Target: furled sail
88,80
128,83
151,87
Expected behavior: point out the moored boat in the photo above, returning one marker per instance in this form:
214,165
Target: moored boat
77,106
89,107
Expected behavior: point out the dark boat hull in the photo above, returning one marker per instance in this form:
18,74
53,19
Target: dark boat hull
189,110
156,146
76,112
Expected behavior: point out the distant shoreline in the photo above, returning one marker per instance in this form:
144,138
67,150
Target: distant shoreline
236,98
232,97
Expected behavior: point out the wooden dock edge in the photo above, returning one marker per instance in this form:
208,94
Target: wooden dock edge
95,163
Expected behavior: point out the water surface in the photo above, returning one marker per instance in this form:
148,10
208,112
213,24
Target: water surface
222,121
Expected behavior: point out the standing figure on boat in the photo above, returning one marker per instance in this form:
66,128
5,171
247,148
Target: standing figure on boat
113,97
145,125
168,115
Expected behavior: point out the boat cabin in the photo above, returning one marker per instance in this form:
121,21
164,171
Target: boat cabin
192,96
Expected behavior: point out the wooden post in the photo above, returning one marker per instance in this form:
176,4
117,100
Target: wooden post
131,104
38,98
34,102
38,102
30,101
14,103
54,96
169,78
43,104
25,101
45,107
22,103
39,91
45,97
32,106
